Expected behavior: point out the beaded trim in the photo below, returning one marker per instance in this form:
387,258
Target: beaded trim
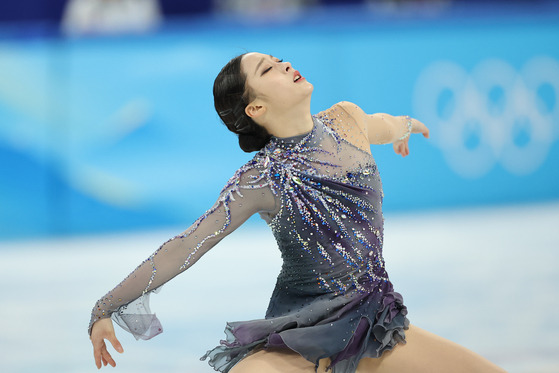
408,130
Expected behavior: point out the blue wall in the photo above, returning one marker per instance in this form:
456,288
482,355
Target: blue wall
108,134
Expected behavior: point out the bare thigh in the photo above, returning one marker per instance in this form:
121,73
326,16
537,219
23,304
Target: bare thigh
277,361
426,352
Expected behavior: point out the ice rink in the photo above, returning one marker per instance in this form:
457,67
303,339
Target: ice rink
487,278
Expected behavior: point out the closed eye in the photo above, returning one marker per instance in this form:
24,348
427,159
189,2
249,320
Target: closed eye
270,68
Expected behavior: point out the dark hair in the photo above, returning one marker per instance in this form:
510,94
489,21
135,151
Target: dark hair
231,97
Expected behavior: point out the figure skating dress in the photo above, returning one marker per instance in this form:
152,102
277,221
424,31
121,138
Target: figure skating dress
321,195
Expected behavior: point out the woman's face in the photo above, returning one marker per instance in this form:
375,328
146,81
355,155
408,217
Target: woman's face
274,82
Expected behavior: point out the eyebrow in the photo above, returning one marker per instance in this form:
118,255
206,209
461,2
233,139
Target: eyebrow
260,63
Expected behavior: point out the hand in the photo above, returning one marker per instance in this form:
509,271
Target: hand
401,146
101,330
418,127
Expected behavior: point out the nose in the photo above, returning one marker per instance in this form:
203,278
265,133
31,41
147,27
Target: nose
287,66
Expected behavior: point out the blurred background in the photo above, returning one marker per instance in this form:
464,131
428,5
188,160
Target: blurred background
109,145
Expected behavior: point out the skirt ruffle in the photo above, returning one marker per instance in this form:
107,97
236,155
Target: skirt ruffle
364,325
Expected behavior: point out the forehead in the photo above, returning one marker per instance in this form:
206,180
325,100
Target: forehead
250,60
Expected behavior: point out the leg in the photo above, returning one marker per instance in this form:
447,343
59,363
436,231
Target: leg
425,352
277,361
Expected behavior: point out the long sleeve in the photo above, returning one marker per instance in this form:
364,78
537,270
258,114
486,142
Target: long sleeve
362,129
247,192
385,128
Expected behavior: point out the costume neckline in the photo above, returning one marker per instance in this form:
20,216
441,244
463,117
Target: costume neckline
297,138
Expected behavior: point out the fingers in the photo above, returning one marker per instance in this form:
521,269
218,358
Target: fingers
107,358
101,355
419,127
405,150
98,346
98,357
116,344
405,147
402,148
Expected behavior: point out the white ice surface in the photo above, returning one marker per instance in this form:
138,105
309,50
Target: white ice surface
486,278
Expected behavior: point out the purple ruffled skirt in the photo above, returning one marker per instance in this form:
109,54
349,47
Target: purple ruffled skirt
344,328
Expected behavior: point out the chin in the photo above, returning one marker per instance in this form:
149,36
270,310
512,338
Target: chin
310,87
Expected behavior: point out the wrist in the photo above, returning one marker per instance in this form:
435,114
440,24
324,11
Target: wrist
408,127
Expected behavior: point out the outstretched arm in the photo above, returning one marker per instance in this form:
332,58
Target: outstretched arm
381,128
128,302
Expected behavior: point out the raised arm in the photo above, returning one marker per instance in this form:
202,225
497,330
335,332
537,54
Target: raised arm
128,303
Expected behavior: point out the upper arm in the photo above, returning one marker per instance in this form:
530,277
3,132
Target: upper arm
348,121
378,128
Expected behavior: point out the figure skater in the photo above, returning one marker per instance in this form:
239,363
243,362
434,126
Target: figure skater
315,183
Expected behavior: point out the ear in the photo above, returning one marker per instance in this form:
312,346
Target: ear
254,110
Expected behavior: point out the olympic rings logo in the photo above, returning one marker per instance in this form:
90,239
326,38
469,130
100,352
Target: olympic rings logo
494,114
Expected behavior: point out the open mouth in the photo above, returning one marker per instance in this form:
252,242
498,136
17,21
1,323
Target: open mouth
297,77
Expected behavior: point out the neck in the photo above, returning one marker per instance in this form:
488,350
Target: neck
289,122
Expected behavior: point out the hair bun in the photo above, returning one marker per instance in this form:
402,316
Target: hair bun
254,139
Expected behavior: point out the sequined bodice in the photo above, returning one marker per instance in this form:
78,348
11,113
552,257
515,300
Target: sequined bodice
329,225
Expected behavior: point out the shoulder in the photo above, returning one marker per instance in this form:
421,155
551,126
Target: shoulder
247,172
343,113
348,121
350,108
343,108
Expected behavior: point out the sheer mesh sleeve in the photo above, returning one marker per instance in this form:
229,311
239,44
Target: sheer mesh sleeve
347,122
362,129
246,193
